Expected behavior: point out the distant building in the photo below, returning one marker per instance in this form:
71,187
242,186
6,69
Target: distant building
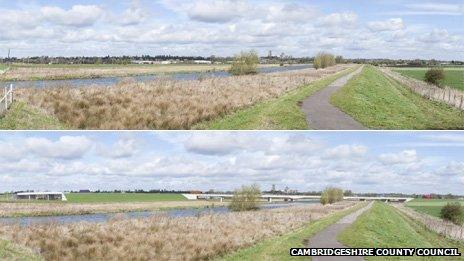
84,191
41,196
202,62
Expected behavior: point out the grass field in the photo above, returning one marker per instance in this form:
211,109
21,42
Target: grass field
384,226
23,117
3,67
431,207
122,197
277,248
283,113
8,251
379,102
454,77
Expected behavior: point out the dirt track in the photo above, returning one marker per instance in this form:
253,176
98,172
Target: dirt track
321,115
327,238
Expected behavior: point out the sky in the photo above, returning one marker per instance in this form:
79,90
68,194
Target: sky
353,28
402,162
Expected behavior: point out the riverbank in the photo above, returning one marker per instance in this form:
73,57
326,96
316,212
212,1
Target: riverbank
28,72
28,209
385,227
164,238
164,103
282,113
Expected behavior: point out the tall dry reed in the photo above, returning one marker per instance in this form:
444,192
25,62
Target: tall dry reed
164,103
438,225
163,238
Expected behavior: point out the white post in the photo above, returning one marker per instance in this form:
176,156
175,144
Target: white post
11,93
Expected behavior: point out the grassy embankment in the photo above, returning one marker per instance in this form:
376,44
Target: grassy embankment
379,102
431,207
277,248
283,113
23,117
454,76
122,197
3,67
384,226
8,251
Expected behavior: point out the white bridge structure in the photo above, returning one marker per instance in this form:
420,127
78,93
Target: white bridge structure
291,198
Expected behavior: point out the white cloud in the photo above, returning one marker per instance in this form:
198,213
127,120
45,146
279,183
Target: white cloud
393,24
435,8
345,20
67,147
404,157
124,147
78,15
346,152
217,11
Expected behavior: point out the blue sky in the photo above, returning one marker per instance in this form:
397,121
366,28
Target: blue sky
353,28
409,162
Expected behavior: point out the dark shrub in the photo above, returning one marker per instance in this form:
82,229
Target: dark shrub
434,76
452,212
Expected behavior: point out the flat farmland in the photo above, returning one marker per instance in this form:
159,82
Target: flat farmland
431,207
122,197
454,76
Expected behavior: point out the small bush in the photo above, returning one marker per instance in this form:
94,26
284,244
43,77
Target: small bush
246,198
435,76
331,195
324,60
452,212
245,63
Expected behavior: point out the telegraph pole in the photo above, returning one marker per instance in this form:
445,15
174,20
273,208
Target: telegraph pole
9,61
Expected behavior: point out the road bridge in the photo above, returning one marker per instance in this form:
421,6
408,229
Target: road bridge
275,197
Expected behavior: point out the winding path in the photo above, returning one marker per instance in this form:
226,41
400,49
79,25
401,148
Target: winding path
327,238
321,115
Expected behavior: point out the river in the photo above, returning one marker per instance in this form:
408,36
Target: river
108,81
105,217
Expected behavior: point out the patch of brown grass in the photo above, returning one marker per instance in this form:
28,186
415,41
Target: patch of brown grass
163,238
51,209
164,103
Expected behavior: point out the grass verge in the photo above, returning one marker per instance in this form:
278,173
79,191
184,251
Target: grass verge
383,226
277,248
8,251
454,77
431,207
23,117
122,197
379,102
283,113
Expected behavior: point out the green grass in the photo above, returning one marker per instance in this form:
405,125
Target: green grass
277,248
454,77
379,102
3,67
9,251
431,207
22,117
283,113
122,197
385,227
